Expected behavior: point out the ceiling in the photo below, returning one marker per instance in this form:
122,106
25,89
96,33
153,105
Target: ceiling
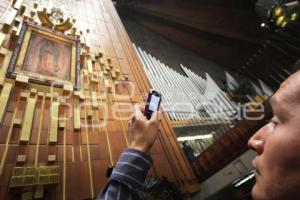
225,31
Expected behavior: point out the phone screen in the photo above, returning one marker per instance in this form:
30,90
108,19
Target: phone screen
154,102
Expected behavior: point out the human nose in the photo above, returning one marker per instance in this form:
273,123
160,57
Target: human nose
257,141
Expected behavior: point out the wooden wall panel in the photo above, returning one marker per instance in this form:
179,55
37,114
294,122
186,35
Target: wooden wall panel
5,176
85,144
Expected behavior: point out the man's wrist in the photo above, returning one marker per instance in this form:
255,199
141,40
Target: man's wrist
145,149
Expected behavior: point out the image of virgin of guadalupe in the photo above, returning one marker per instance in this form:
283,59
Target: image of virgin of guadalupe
48,57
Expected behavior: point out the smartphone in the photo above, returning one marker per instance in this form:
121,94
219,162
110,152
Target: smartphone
153,103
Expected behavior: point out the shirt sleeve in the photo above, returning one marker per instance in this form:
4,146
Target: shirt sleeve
127,177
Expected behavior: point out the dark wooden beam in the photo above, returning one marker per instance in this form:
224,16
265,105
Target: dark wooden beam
227,22
224,51
222,33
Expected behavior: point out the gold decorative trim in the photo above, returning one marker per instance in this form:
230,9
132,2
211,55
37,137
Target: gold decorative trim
3,69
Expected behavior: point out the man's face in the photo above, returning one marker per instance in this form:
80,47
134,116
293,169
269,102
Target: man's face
277,144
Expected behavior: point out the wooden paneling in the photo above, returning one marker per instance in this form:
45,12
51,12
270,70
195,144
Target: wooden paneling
5,92
28,119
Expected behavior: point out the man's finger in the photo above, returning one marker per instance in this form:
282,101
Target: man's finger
159,115
138,111
132,118
155,116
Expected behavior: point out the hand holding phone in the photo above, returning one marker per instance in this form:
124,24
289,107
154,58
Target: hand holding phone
153,103
142,132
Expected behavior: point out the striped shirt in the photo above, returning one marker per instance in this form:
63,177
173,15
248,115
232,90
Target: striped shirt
127,177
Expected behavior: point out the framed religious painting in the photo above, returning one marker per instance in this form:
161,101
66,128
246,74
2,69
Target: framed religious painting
46,57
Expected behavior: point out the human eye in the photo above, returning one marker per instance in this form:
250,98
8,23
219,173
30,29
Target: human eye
274,121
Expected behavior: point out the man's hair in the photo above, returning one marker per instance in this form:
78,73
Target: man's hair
296,66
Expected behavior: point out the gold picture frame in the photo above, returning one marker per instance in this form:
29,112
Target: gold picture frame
46,57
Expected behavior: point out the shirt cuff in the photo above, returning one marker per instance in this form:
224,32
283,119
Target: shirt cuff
132,168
